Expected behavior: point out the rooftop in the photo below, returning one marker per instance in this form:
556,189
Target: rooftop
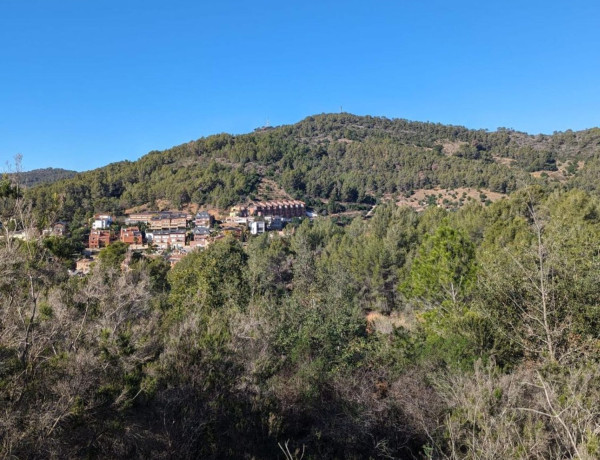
201,231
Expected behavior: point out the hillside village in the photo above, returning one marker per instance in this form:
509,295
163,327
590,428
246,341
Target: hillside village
173,234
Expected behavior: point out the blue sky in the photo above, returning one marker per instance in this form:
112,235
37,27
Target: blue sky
86,83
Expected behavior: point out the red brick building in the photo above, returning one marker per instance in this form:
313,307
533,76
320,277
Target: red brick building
99,239
131,235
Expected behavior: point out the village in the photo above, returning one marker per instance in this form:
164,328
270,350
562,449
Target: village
174,234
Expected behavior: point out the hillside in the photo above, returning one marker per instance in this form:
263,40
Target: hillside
452,330
44,176
435,335
330,159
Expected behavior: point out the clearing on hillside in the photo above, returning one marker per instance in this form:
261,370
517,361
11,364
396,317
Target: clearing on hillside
447,198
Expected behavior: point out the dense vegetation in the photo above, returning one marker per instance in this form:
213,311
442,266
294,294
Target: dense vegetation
332,158
44,176
467,334
472,333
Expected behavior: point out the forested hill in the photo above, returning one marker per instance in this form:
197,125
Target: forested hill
44,176
331,158
443,334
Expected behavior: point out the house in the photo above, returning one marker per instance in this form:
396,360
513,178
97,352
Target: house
176,257
169,237
59,228
257,227
131,235
201,232
99,239
204,219
201,237
200,243
283,208
170,220
27,234
239,220
274,223
102,221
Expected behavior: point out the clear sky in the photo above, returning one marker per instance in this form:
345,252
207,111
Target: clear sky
86,83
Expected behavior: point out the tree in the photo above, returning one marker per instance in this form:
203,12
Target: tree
113,255
444,267
539,282
211,279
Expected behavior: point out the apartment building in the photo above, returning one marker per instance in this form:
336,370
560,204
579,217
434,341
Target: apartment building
99,239
283,208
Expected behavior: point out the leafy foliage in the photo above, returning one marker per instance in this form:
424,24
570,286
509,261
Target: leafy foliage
440,334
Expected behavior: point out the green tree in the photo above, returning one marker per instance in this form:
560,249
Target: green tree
444,267
113,255
209,279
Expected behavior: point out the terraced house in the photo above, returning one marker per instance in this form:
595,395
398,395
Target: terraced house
283,208
169,237
170,220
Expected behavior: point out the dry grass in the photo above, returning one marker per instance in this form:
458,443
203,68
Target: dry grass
447,198
450,148
269,190
561,175
385,324
504,161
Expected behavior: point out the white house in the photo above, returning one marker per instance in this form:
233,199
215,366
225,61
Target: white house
257,227
101,221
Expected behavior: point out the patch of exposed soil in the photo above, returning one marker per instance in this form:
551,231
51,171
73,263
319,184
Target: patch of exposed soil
450,148
269,190
504,161
561,175
447,198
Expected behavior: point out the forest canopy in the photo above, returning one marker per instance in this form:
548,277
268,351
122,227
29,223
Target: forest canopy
441,334
333,158
471,332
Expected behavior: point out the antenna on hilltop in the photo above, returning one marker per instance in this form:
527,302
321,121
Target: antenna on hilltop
341,110
267,124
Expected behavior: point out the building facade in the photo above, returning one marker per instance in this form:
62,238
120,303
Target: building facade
170,220
169,238
257,227
283,208
204,219
99,239
102,221
131,235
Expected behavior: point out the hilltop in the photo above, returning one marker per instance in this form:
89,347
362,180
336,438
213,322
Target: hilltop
333,162
44,176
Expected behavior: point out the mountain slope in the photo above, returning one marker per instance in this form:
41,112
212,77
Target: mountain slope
330,158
